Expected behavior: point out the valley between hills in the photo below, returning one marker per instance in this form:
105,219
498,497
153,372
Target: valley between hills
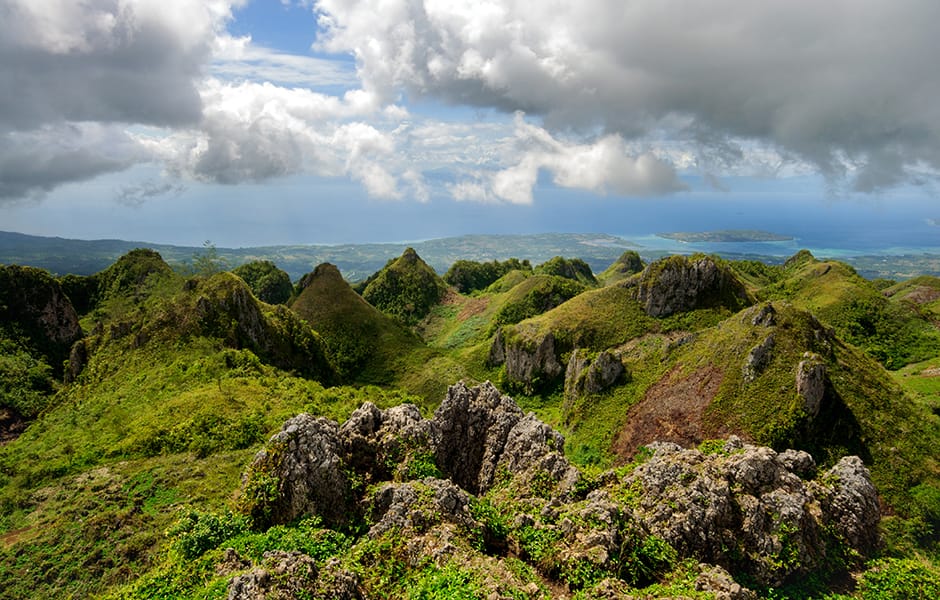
681,427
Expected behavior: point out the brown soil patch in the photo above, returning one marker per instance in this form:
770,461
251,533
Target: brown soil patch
11,537
923,295
472,307
931,372
671,411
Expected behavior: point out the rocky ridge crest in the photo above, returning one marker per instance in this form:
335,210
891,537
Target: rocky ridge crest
733,507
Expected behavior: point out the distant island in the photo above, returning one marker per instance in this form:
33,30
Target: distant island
725,235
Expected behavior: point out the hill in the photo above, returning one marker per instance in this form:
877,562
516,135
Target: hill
198,442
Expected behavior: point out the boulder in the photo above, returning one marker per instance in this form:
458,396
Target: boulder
678,284
585,376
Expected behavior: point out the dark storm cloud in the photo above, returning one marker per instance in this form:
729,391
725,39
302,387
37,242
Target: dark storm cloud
850,86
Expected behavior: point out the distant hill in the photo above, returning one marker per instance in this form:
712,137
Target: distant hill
359,261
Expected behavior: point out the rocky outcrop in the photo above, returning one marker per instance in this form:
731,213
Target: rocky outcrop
811,383
739,508
476,434
289,575
299,472
585,376
744,508
678,284
529,364
758,359
34,307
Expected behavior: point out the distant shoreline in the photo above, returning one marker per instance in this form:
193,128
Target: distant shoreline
725,235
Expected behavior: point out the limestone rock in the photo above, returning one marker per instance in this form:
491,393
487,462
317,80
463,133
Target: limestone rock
749,512
283,576
811,383
758,359
303,460
719,582
470,429
584,376
531,362
678,284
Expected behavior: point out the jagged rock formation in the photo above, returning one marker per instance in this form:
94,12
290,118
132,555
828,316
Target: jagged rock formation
35,310
811,382
586,376
748,506
678,284
742,508
475,433
288,575
530,363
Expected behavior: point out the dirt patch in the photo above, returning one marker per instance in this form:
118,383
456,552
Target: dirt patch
931,372
473,307
11,537
923,295
671,411
11,425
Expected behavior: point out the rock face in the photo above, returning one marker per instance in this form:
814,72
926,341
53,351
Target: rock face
744,507
758,358
288,575
585,376
811,383
530,364
33,305
299,472
475,434
678,284
739,508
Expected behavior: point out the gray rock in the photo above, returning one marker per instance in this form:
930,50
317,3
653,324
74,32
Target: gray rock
851,501
758,359
304,458
766,316
585,376
719,582
811,383
469,433
528,362
417,506
678,284
748,511
282,576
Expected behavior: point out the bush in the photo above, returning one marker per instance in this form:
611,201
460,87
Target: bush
197,532
899,579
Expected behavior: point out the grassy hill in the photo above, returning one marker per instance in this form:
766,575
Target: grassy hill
174,382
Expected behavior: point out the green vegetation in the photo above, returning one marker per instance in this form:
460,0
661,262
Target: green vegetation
406,288
628,264
267,282
469,276
569,268
119,478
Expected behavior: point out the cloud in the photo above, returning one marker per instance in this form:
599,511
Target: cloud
109,61
603,166
239,60
35,162
849,87
138,194
75,74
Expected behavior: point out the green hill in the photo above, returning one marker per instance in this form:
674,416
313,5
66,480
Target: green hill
406,288
119,469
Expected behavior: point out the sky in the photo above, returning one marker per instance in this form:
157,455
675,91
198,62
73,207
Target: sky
261,122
